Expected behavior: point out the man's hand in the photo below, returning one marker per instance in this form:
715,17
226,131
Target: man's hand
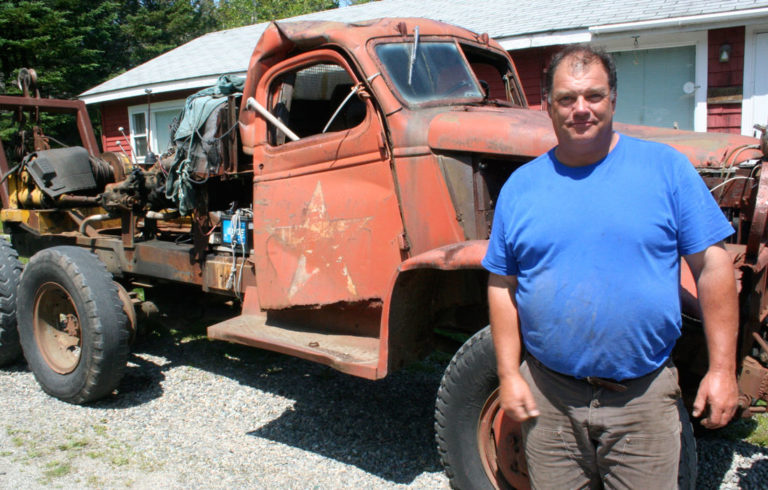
719,393
712,269
514,393
516,399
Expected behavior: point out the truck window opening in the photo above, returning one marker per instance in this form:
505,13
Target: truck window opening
306,98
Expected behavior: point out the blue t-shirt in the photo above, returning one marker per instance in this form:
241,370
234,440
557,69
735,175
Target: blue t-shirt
596,251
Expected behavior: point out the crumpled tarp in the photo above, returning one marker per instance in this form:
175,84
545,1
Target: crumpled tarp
190,143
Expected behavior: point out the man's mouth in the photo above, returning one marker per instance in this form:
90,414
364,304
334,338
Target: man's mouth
581,124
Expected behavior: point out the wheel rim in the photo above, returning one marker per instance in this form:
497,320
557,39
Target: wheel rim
501,447
57,328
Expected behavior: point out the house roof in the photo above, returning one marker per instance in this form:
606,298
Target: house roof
199,62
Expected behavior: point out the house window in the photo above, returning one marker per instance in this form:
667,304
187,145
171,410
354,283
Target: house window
156,136
656,87
139,133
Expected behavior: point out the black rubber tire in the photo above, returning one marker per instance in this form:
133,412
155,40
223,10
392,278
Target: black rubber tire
468,382
688,469
10,271
102,325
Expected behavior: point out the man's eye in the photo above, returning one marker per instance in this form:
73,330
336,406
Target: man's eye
595,98
566,101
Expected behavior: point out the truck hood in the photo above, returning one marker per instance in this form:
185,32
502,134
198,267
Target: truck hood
528,133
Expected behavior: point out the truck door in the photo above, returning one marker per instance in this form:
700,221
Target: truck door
326,218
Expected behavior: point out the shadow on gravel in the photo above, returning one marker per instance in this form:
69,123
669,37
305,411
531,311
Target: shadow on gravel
716,453
382,427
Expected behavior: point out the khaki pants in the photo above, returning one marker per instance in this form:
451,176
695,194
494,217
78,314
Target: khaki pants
592,437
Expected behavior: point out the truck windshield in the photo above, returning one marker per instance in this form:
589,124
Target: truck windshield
428,71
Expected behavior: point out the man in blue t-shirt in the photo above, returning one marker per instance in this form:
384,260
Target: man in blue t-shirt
584,258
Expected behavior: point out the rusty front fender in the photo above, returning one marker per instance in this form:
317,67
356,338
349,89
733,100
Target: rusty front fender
407,319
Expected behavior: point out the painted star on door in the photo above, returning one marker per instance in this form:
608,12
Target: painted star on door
323,247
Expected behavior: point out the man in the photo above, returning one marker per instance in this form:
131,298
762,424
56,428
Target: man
584,259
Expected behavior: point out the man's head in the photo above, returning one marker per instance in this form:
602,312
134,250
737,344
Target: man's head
581,96
581,55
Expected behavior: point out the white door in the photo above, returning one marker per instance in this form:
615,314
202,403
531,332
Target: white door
651,87
756,100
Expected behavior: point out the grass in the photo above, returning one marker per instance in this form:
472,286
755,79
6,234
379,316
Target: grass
59,455
57,469
753,430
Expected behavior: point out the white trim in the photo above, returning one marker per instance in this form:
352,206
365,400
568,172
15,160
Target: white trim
681,22
748,90
675,25
157,88
537,40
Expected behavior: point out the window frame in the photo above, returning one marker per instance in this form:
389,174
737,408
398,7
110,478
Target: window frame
295,64
149,133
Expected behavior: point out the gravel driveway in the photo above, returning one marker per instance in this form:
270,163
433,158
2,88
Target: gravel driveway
191,413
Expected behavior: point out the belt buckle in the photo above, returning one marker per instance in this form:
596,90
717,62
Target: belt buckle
605,383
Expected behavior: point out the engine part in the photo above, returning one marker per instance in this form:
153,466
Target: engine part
60,171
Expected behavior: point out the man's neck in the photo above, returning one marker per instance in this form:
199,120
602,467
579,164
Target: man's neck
580,155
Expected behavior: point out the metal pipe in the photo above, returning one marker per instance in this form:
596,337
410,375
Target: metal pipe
251,104
93,217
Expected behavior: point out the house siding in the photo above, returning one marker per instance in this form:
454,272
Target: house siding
115,115
530,64
725,80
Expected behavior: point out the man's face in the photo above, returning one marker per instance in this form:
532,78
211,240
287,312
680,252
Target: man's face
581,105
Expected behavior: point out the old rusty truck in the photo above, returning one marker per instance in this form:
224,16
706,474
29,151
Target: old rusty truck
343,196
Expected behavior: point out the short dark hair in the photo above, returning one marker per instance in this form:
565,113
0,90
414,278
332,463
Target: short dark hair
585,55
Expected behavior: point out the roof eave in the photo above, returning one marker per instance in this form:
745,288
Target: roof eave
676,24
155,88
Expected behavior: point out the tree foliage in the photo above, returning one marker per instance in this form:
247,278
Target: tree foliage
237,13
74,45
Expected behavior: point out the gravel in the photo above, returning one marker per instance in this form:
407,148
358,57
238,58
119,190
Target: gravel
199,414
191,413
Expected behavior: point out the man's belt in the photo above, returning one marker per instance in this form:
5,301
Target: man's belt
608,384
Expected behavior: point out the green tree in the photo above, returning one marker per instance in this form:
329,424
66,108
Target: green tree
75,45
237,13
152,27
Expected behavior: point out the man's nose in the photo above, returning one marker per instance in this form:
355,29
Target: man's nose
581,104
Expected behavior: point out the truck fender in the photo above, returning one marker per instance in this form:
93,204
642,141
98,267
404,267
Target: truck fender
406,319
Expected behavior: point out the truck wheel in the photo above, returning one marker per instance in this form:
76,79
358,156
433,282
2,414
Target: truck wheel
10,270
688,470
73,330
479,447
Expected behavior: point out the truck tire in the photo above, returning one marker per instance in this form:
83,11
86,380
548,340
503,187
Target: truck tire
10,270
482,449
73,330
688,470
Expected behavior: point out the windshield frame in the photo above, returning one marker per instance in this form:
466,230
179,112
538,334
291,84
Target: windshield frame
424,40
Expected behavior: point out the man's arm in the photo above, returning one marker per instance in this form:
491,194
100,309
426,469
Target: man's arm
713,271
515,394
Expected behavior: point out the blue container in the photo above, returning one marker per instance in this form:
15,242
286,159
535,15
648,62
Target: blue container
236,237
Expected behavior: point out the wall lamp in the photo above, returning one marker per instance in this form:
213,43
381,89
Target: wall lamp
725,53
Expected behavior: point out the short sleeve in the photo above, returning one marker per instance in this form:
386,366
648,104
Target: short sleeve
499,258
701,223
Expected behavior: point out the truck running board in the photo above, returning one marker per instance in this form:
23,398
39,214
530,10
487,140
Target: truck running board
355,355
